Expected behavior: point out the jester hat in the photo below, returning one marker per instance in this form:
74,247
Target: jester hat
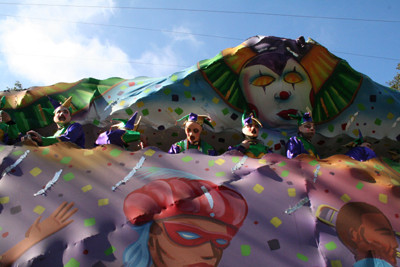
303,118
200,119
129,124
251,119
67,103
358,141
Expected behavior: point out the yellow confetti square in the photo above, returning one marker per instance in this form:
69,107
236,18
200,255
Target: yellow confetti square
141,131
236,137
123,87
383,198
103,202
170,110
284,133
86,188
220,161
345,198
395,182
88,152
291,192
262,161
213,123
390,116
276,222
204,132
270,143
336,263
150,152
147,90
122,103
35,171
362,165
215,100
39,209
258,188
4,200
140,104
186,83
355,132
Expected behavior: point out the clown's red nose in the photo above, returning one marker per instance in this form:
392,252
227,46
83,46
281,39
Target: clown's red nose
284,95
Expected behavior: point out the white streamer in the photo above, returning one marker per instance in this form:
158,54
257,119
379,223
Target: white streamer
49,184
129,176
18,161
239,164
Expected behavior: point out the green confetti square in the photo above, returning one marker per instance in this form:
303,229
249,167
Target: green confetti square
282,164
1,228
360,186
361,106
187,159
174,77
18,152
46,151
178,111
339,140
330,246
225,111
90,222
72,263
245,249
285,173
331,128
313,163
2,148
65,160
379,167
235,159
302,257
390,100
115,152
210,163
174,134
167,91
378,122
219,174
109,251
349,163
129,111
187,94
96,122
68,177
264,135
145,112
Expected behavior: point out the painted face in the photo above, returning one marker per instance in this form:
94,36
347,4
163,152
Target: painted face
251,130
367,144
275,96
188,242
62,115
375,238
193,131
307,130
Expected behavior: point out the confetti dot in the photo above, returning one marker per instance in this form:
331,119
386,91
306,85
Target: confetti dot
4,235
129,111
219,174
72,263
331,128
326,191
258,188
148,90
90,222
245,249
145,112
178,111
277,146
85,252
35,171
46,151
383,198
225,111
96,122
378,122
390,116
109,164
186,83
187,159
86,188
88,152
102,202
65,160
115,152
270,143
175,98
69,176
291,192
262,161
150,152
302,257
110,251
390,100
330,246
360,186
15,210
4,200
131,83
361,106
174,78
372,98
234,116
285,173
18,152
281,164
255,222
187,94
39,209
345,198
213,123
207,169
336,263
274,244
140,104
220,161
122,103
216,101
349,163
276,222
313,163
396,216
210,163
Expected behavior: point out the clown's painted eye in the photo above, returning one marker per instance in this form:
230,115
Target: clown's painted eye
263,80
221,241
189,235
293,77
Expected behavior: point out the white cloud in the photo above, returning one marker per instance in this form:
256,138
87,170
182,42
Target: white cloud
182,33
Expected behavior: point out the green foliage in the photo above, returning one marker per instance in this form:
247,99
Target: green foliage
17,87
395,83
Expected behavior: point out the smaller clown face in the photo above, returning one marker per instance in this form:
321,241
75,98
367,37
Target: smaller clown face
307,130
62,115
251,130
193,131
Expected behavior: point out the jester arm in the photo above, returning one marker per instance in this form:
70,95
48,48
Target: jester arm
39,231
72,134
175,149
294,148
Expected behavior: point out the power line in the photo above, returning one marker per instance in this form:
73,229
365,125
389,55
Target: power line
209,11
360,55
93,59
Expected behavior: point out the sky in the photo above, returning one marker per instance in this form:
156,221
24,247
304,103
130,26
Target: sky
44,42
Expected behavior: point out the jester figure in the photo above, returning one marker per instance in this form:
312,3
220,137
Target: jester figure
125,133
251,146
361,150
9,132
68,131
193,127
301,143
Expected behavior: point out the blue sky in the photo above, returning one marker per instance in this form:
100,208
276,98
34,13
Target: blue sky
57,49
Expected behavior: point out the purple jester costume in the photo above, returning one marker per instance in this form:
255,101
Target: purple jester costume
359,152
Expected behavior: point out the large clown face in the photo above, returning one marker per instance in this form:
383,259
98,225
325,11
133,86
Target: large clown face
193,131
62,115
275,96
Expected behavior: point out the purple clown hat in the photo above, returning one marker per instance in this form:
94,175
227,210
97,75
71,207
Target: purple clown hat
129,124
301,119
200,119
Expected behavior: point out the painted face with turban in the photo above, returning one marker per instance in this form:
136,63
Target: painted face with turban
193,220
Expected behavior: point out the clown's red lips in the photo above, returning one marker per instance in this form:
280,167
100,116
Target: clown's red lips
284,114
